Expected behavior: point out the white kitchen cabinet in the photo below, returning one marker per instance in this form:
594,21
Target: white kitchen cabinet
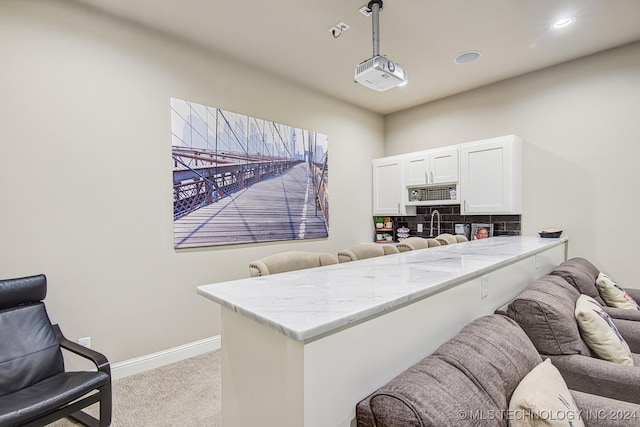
491,176
431,166
388,187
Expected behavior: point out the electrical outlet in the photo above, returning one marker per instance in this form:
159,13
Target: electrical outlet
86,341
485,286
419,228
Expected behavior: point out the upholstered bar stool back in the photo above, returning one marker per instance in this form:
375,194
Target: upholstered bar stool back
446,239
364,251
413,243
290,261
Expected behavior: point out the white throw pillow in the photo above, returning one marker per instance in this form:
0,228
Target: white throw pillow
613,294
543,399
600,333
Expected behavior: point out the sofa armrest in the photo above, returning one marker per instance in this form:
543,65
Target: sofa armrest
364,415
598,411
599,377
623,313
503,309
630,330
633,293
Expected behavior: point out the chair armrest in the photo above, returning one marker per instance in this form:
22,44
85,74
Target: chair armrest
598,411
599,377
630,330
623,313
97,358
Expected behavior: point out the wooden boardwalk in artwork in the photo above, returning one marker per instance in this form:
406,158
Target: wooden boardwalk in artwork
280,208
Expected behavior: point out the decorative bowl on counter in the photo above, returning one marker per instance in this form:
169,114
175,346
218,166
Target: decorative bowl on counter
402,233
550,233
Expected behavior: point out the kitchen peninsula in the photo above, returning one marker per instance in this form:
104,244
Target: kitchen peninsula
302,348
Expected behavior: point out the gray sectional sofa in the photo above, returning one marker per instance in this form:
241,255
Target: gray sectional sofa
581,274
469,380
545,311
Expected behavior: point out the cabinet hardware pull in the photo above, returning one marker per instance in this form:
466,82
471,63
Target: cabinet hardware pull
431,172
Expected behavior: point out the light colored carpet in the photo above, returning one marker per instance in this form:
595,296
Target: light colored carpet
185,394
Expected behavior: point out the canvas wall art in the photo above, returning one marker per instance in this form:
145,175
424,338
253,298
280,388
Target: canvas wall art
240,179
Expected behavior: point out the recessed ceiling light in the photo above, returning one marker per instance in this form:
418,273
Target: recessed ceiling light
564,22
467,57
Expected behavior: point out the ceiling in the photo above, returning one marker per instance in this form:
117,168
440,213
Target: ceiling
291,38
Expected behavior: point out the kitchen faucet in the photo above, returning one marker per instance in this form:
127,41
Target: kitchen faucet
435,211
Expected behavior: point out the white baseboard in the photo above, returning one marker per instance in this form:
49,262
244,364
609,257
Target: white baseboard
164,357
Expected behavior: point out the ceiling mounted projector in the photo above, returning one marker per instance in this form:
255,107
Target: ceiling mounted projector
378,72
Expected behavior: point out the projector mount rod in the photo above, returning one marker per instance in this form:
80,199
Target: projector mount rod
375,6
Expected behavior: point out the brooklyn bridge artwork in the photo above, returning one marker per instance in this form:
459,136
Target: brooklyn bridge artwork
240,179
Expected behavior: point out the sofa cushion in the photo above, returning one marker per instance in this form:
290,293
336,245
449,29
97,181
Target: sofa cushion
613,295
600,333
475,372
581,274
495,352
427,394
543,399
545,311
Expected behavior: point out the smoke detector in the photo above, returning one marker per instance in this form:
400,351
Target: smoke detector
378,72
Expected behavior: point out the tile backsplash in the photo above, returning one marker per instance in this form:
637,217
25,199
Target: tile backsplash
503,225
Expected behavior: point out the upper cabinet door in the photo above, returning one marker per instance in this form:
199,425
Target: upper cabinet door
491,176
443,166
388,187
431,167
416,168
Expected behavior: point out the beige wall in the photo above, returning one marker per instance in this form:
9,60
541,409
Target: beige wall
581,124
85,171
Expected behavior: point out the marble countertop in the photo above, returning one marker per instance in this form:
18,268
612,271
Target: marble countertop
307,304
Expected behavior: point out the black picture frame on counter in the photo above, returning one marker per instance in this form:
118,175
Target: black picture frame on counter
481,231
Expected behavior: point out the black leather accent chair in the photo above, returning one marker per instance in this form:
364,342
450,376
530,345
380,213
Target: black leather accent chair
35,389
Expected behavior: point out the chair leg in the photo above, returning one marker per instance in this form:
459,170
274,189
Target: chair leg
85,419
105,405
104,400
